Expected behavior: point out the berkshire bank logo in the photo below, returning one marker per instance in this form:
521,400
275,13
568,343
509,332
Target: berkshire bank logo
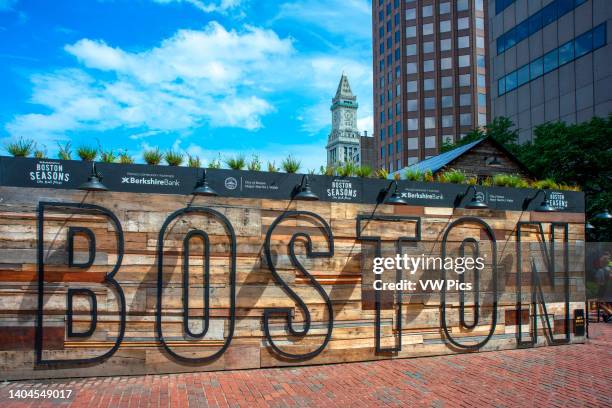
342,189
150,180
49,173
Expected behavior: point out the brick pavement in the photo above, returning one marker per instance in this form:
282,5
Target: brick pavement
570,376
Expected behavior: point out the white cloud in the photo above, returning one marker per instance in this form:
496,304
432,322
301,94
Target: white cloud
191,79
207,6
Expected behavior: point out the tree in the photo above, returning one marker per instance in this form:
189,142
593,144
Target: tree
501,129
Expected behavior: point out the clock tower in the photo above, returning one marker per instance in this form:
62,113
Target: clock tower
343,143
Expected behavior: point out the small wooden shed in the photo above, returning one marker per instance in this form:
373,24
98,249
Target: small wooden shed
482,158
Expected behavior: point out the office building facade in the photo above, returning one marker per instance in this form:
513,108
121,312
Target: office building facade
430,84
549,61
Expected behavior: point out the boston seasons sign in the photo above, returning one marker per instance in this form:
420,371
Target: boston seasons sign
135,178
44,173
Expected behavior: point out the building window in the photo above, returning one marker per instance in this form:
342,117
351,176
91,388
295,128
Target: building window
412,160
413,143
398,126
480,23
462,5
482,119
465,99
382,116
446,63
465,119
482,82
479,5
411,68
410,14
445,8
411,49
480,61
427,29
427,11
428,65
482,99
445,26
382,134
430,142
480,42
398,146
428,46
446,82
430,103
412,105
413,124
465,80
429,84
464,61
447,102
411,86
398,108
430,122
447,121
445,44
463,42
463,23
411,32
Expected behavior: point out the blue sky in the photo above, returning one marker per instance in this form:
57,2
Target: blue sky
202,76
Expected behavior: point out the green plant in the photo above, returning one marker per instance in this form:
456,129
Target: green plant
153,157
327,171
125,158
347,169
40,153
173,158
312,172
381,173
255,163
472,181
567,187
413,175
272,167
363,171
21,148
194,161
428,176
236,163
487,182
64,152
546,184
87,153
454,176
291,165
108,156
215,163
397,176
500,180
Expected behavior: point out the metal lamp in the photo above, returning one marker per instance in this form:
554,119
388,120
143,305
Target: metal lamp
203,189
395,198
94,181
544,206
304,193
603,216
589,227
475,203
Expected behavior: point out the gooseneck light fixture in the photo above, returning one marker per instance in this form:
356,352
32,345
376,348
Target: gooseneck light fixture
94,181
603,216
395,198
303,191
203,189
544,206
475,203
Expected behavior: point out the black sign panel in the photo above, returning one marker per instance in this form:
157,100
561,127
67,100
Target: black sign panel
139,178
579,322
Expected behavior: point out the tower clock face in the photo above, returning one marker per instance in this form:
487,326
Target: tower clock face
348,119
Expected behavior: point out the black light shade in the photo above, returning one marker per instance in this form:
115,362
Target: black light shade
94,181
203,189
395,198
605,215
304,192
495,162
475,203
545,205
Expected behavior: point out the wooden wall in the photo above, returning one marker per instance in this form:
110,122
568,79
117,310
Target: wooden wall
346,278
